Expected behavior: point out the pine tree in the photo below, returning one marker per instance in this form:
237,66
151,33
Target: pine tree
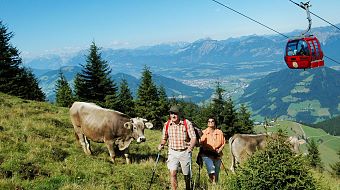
94,83
218,104
314,154
164,103
14,78
64,97
230,126
125,99
203,114
148,99
244,122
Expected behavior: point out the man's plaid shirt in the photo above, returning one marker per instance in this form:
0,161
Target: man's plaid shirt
177,135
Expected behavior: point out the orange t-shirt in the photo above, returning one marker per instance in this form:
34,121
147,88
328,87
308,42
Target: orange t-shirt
212,139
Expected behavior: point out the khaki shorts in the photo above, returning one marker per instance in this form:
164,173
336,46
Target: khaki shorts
179,158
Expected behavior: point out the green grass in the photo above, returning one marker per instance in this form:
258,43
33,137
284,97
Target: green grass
38,150
328,145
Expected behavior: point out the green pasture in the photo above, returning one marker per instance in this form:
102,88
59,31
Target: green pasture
38,150
328,145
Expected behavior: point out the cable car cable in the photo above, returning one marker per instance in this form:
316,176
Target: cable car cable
249,18
315,15
264,24
331,59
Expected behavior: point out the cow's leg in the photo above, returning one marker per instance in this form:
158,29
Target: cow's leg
82,140
110,147
126,154
87,146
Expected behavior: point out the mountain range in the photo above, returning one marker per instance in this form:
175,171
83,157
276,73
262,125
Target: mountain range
205,58
190,70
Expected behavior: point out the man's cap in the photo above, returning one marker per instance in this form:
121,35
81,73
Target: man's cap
175,109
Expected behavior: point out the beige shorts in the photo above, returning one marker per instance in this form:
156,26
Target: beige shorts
179,158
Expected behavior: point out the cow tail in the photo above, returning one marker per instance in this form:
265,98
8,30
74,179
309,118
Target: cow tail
230,143
233,163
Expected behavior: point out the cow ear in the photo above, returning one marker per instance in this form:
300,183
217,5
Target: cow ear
128,125
301,141
148,125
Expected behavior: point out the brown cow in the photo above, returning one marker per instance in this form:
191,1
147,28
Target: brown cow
244,145
103,125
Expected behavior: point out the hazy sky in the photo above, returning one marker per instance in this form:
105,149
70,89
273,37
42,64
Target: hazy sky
48,26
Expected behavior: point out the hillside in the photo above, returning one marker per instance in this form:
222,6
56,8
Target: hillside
328,145
331,126
38,150
306,96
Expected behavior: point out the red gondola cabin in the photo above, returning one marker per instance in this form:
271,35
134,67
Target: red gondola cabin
304,53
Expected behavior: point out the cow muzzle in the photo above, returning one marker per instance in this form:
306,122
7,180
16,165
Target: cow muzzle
141,139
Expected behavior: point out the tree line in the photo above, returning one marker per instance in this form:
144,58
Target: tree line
94,84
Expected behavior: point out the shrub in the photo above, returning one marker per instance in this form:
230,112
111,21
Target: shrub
274,168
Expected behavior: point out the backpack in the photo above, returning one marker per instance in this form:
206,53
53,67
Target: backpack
198,131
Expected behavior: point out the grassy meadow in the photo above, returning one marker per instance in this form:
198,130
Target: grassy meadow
328,145
38,150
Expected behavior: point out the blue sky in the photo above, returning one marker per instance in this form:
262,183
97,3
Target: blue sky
54,26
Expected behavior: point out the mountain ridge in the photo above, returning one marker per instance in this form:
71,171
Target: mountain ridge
309,96
234,56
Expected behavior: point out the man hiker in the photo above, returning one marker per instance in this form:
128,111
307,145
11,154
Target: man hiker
180,135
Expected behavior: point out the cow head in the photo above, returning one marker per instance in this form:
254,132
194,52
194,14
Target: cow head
295,142
137,126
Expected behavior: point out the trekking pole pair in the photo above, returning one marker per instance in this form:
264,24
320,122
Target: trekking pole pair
199,162
154,169
197,183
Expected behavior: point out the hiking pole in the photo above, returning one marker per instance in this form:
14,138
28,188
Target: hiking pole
225,169
199,175
154,169
198,178
199,162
